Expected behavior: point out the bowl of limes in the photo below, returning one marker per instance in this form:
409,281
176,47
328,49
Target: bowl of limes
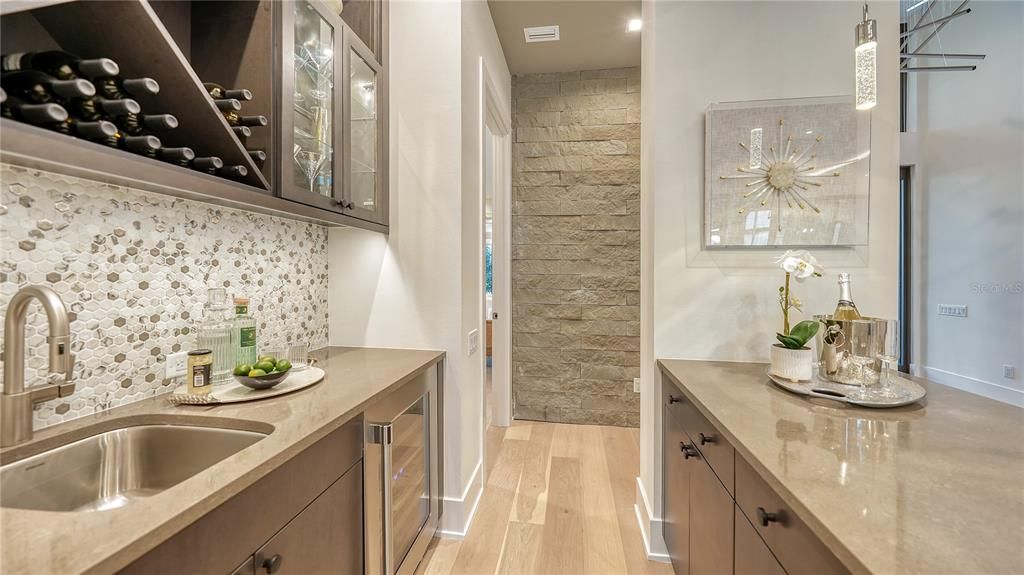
267,372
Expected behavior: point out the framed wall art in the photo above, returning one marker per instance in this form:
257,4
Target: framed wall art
786,173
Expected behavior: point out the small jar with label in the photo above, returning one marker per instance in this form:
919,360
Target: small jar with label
200,371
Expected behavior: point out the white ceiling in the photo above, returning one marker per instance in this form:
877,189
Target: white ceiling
593,34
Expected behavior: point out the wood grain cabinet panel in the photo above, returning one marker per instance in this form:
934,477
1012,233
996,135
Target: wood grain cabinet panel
676,524
752,555
799,551
327,537
711,522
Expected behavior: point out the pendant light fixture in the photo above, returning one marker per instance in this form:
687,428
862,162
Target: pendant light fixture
866,62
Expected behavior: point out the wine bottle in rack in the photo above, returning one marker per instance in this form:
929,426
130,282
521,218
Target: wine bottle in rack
39,87
98,108
209,165
180,156
228,105
233,171
241,131
159,122
60,65
114,87
145,145
48,115
218,92
258,156
101,131
254,121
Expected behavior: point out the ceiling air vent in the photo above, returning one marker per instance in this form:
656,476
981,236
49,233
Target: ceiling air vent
541,34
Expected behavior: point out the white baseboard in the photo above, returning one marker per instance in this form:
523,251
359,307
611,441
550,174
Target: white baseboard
459,511
977,386
650,527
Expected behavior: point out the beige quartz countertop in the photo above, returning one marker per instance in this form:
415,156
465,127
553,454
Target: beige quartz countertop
925,489
40,542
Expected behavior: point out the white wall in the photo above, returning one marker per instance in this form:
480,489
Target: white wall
724,306
966,145
419,286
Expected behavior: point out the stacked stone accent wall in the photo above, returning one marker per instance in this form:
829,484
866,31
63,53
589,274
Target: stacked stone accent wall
576,246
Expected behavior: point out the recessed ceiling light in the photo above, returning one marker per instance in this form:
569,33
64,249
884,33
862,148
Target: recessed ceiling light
635,24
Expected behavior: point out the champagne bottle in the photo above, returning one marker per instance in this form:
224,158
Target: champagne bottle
38,87
218,92
114,88
47,115
241,131
233,171
845,309
258,156
60,65
180,156
209,165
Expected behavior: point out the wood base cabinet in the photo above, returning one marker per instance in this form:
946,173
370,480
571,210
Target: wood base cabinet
720,516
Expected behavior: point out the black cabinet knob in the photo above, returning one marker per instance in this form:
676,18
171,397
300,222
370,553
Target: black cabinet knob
344,204
675,399
272,564
706,438
766,517
688,450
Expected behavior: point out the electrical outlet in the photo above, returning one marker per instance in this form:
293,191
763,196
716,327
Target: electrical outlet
1010,371
177,365
474,341
636,385
953,310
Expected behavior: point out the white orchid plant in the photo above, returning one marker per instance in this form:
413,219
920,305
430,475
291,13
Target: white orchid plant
799,264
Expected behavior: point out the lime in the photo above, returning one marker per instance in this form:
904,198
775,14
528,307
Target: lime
266,366
269,358
243,369
283,365
257,372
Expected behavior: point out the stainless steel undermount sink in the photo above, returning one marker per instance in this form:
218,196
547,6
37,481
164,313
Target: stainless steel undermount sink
117,467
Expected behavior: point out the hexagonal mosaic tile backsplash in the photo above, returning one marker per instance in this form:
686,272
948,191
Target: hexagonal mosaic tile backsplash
133,268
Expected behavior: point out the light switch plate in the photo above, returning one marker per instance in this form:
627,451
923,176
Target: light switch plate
1010,371
953,310
474,341
636,385
177,364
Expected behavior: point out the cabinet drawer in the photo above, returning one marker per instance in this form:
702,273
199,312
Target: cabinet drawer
711,522
752,556
789,538
676,496
218,541
703,435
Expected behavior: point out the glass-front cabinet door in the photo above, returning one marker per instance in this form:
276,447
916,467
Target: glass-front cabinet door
311,169
363,147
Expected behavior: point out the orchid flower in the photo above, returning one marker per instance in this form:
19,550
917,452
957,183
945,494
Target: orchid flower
801,265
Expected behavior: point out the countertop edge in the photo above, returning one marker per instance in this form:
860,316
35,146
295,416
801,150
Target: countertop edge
133,549
829,539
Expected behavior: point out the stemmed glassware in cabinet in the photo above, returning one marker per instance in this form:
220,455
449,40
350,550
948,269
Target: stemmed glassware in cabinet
313,100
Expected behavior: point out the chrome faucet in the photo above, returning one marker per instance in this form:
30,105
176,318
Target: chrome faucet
16,402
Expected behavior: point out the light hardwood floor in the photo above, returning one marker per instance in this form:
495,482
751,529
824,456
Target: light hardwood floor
558,500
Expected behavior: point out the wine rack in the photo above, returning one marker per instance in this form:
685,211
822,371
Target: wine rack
143,47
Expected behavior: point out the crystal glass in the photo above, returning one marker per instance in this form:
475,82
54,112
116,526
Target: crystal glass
313,101
890,353
363,130
298,355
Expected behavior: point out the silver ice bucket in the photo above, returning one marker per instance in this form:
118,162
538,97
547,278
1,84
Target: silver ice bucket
848,350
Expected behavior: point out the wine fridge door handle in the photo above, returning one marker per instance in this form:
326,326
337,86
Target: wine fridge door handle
386,524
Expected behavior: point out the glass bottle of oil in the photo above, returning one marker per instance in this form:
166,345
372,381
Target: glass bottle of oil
216,332
845,309
245,326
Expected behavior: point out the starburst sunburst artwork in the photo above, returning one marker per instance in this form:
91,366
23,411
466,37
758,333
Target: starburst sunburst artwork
792,174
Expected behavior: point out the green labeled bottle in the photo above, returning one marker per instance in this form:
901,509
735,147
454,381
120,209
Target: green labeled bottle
245,325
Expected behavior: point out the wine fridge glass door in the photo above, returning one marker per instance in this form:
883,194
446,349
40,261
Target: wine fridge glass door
410,477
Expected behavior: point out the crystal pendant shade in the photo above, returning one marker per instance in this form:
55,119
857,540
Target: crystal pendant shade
866,61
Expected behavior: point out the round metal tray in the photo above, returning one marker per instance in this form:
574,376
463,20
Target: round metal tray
234,392
899,392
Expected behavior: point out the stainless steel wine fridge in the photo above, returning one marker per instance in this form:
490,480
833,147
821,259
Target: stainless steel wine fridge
402,475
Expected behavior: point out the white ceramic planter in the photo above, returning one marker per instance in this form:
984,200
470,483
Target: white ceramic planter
791,364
